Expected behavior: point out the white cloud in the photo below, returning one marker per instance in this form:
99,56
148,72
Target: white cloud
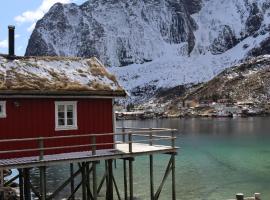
32,16
4,44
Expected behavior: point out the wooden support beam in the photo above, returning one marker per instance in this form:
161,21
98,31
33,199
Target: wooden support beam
11,180
125,180
109,195
116,188
72,183
69,180
102,182
173,178
152,192
131,196
95,190
42,172
34,190
75,190
167,172
21,183
2,194
84,189
26,184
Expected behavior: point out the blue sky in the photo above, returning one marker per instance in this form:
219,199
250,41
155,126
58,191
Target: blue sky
23,14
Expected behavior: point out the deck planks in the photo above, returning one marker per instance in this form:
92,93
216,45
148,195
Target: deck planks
121,151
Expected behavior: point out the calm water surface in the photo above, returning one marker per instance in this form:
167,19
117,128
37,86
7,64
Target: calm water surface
218,158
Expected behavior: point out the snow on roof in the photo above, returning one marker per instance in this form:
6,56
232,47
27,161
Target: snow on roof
56,75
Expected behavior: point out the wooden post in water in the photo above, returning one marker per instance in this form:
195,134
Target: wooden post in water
72,184
257,196
2,184
42,172
131,178
240,196
26,184
110,180
21,183
173,168
84,191
152,192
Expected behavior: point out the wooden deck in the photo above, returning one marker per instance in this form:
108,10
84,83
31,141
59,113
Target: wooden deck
121,151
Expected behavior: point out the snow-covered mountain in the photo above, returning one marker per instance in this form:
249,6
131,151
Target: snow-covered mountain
161,43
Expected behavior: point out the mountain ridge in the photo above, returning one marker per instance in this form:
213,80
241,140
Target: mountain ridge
161,43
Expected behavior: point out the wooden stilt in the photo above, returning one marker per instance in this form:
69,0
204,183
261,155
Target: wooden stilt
125,179
72,184
2,184
173,178
94,180
131,179
26,184
84,189
167,172
21,183
42,172
152,192
110,181
116,189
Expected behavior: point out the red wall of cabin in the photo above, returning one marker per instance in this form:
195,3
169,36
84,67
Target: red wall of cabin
31,118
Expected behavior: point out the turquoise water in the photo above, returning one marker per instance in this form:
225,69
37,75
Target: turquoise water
218,158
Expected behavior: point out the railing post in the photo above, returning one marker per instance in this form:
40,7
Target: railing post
41,148
123,135
151,137
173,139
94,147
130,141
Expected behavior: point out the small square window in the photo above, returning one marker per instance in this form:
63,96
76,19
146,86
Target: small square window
3,113
66,115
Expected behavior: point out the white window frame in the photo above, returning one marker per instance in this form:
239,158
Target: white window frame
65,104
3,114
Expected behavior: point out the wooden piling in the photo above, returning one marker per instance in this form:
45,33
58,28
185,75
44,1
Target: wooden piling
131,196
125,179
26,184
239,196
95,190
72,184
21,183
110,181
42,172
2,184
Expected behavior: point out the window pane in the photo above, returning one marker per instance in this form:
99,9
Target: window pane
69,114
61,115
61,122
69,108
70,122
61,108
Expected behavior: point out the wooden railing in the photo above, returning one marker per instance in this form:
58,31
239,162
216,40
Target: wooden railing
128,136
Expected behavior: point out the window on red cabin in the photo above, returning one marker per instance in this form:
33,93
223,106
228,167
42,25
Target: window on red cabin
3,113
66,115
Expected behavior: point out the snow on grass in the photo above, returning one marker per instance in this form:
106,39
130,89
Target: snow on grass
52,73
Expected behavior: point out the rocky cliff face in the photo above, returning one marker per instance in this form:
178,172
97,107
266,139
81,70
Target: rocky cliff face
120,32
161,43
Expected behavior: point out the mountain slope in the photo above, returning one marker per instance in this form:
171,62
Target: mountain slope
248,81
161,43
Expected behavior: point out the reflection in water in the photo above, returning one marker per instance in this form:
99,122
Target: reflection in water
218,158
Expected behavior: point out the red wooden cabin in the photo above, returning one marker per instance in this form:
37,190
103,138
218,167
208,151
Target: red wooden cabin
55,96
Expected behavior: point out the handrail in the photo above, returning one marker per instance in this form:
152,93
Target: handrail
126,131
